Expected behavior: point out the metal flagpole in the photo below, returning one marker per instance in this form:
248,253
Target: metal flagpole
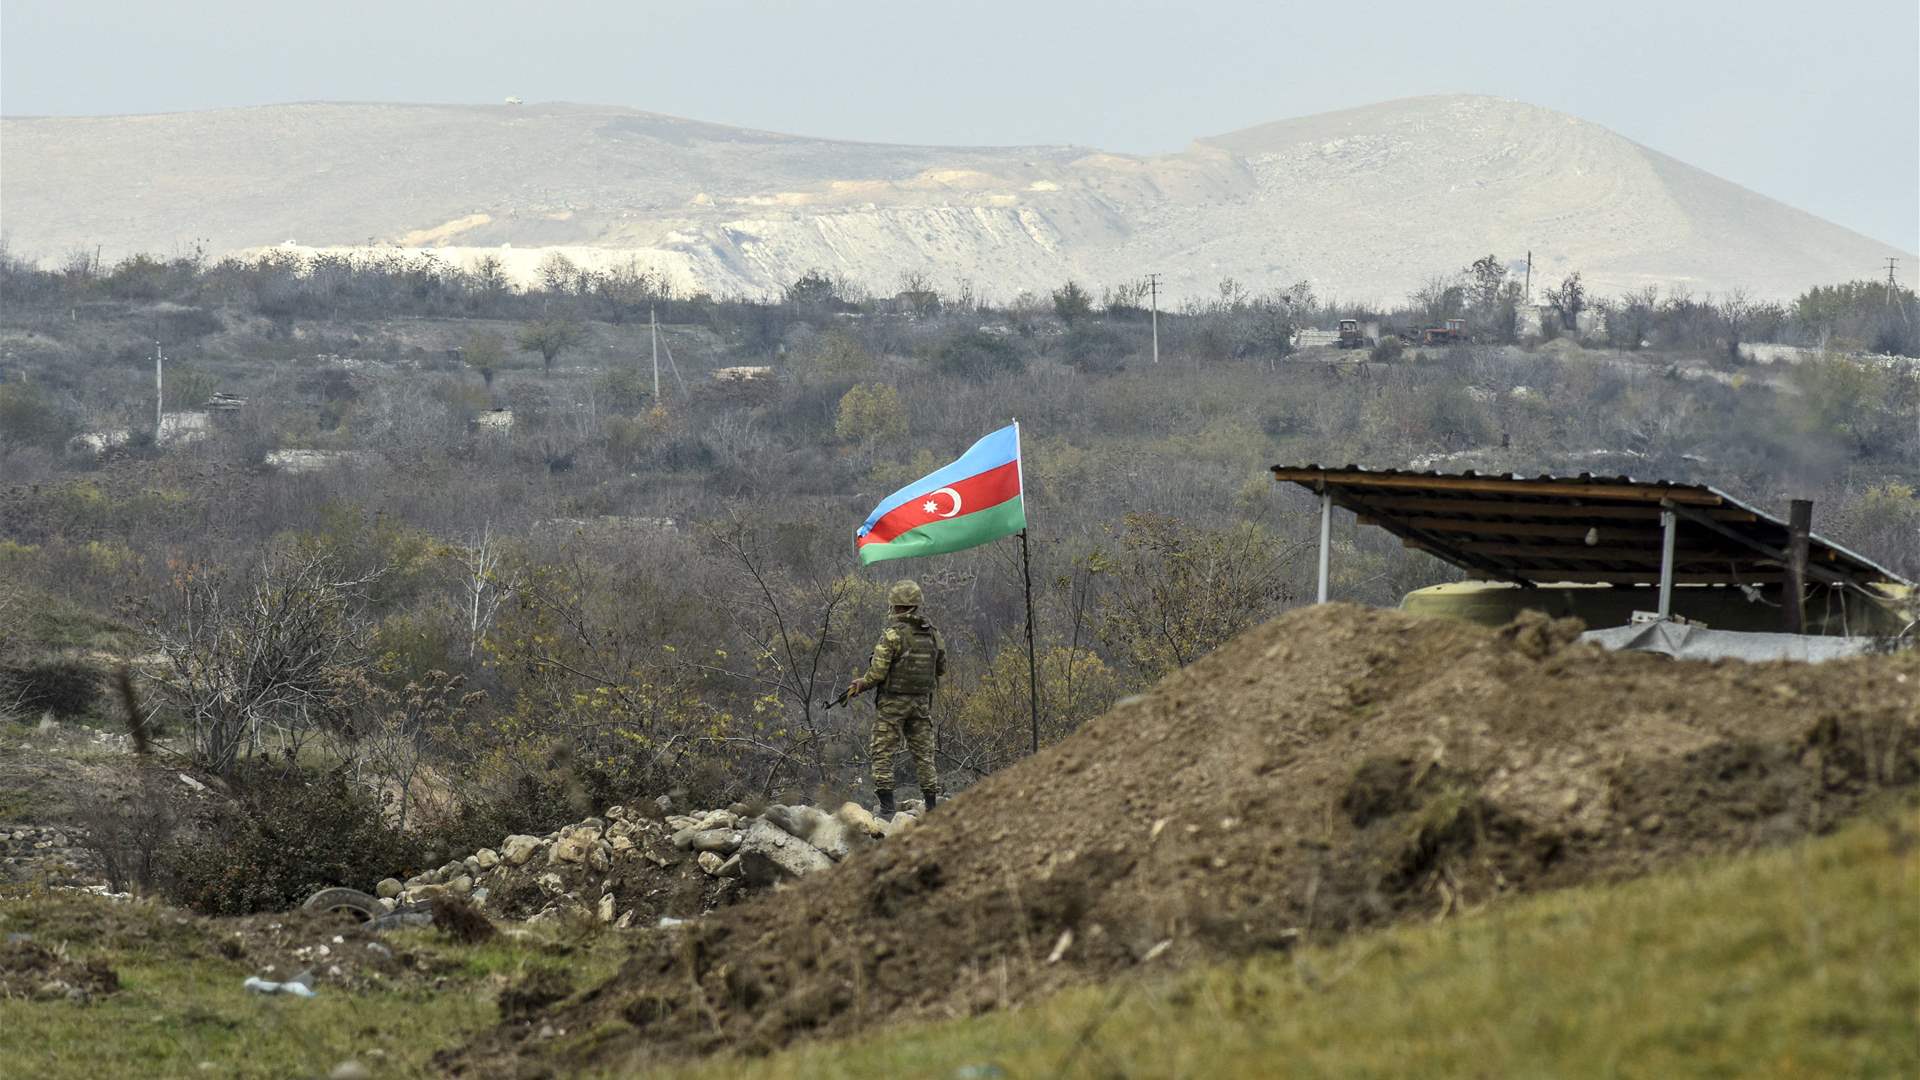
1026,578
1033,666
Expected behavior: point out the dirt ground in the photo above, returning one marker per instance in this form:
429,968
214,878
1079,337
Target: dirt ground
1334,770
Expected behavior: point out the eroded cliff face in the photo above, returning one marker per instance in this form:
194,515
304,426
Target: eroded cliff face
1366,202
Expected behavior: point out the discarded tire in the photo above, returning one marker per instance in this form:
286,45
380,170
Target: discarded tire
363,906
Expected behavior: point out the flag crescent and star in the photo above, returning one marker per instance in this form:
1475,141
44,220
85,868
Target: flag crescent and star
978,498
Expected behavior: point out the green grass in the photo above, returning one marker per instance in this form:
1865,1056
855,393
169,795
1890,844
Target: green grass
1803,961
1798,962
181,1005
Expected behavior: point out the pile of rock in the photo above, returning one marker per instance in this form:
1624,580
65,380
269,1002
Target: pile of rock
53,853
643,864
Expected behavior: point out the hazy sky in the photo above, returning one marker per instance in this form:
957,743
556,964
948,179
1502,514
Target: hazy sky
1817,105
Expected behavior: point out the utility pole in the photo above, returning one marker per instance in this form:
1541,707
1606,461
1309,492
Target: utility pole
1529,279
1153,291
1891,263
159,397
654,325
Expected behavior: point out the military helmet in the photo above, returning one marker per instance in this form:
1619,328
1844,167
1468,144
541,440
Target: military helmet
904,594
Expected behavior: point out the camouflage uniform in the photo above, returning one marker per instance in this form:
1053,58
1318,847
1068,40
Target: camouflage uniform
907,663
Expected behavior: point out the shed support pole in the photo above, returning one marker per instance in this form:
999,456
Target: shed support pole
1326,540
1799,530
1669,524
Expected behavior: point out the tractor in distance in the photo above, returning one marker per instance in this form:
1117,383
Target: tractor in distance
1351,336
1453,333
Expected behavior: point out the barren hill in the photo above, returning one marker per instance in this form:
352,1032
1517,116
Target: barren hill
1364,202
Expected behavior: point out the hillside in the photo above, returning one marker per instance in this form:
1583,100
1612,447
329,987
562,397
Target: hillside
1364,202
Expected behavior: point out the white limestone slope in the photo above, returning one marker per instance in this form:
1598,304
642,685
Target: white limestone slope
1365,202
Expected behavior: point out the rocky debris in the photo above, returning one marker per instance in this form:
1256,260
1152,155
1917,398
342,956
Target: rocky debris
769,854
633,867
56,854
518,849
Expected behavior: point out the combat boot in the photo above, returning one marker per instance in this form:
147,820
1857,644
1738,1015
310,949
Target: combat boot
886,801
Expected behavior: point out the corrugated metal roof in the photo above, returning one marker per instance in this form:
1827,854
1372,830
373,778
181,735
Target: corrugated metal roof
1549,528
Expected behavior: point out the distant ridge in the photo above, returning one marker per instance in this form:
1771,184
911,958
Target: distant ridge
1365,203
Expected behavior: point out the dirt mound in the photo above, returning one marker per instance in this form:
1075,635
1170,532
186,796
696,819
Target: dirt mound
29,969
1333,770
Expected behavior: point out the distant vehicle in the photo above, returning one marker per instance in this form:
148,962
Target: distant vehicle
1453,333
1351,337
515,101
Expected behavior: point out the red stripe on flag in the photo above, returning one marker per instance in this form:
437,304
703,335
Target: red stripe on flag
978,492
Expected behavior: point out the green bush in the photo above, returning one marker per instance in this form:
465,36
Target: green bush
281,839
978,356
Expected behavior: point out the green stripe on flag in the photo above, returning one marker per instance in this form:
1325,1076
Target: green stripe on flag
941,537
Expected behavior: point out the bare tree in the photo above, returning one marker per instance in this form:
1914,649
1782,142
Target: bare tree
265,663
483,585
792,631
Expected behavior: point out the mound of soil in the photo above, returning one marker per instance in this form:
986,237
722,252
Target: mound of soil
1333,770
29,969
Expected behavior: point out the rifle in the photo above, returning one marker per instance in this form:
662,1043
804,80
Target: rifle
845,696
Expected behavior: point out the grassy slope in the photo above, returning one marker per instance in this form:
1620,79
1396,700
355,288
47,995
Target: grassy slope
1803,961
1798,962
180,1005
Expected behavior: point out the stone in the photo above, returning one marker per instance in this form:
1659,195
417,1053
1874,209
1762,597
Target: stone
683,838
350,1070
724,841
711,862
626,920
717,819
451,870
835,838
461,886
768,854
388,889
901,823
730,868
571,848
665,803
605,910
518,849
388,903
599,856
621,843
797,821
550,883
859,817
486,858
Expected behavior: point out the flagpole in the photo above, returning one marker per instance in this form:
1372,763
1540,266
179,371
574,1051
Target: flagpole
1033,667
1026,579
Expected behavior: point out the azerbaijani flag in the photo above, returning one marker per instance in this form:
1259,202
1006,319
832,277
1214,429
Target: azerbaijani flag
976,499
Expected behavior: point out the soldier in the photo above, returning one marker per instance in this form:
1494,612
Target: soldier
907,665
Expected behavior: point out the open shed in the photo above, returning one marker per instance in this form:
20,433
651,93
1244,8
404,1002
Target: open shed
1534,532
